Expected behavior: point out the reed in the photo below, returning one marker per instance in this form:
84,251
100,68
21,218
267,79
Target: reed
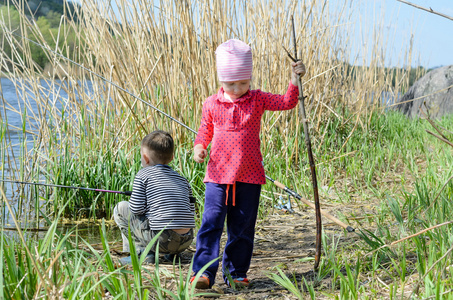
164,54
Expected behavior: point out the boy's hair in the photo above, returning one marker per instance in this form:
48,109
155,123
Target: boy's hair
161,145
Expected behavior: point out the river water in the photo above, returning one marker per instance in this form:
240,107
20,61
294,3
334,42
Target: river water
20,115
18,108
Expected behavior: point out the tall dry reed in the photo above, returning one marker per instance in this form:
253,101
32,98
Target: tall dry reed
163,52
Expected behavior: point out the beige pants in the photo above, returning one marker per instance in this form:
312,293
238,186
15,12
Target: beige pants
169,240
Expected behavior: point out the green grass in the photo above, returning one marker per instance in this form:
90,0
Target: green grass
67,266
392,147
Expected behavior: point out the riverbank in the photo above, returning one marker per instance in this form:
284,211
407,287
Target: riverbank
395,184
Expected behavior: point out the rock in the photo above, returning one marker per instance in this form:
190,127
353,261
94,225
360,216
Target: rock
437,86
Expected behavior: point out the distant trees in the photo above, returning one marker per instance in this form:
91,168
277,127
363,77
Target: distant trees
398,77
13,18
47,15
42,8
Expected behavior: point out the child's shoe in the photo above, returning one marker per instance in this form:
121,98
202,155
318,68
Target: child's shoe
149,259
202,283
125,261
239,282
177,258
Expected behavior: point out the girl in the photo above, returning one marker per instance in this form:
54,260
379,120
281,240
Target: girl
231,121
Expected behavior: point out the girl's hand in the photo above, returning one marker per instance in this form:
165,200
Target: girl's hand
298,68
199,153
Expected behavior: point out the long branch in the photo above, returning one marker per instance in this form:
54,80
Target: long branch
440,138
427,9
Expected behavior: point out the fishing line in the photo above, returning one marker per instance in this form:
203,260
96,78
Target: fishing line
127,193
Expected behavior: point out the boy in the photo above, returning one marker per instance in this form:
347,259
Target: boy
160,201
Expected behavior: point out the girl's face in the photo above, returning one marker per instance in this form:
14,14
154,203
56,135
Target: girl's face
235,89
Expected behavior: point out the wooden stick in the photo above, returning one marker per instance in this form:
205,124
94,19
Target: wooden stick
421,232
310,158
431,121
426,9
408,237
440,138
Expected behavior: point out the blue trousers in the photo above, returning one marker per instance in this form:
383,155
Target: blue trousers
240,220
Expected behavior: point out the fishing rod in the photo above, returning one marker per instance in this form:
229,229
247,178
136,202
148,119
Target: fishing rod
127,193
299,197
286,189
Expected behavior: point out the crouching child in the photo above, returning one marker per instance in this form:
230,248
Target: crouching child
161,200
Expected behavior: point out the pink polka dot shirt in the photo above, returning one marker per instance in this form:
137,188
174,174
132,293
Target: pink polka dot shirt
233,129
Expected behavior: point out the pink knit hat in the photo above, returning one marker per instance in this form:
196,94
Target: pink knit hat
234,61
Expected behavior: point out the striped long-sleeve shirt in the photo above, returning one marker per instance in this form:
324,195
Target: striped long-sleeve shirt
162,195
